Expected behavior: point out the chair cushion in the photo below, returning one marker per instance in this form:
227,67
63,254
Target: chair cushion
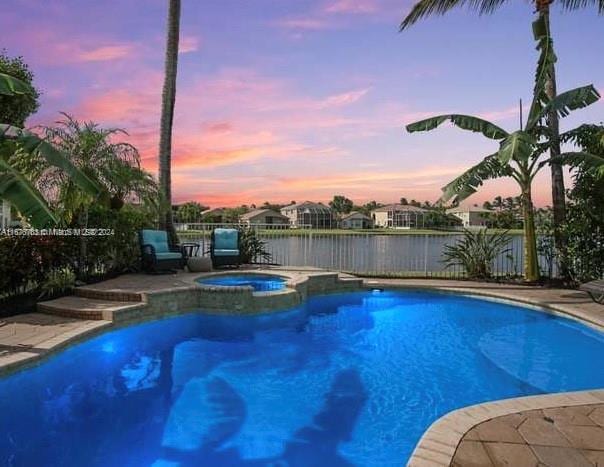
168,255
226,239
158,239
226,252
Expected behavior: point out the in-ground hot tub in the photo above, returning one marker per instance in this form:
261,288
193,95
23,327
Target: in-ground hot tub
259,282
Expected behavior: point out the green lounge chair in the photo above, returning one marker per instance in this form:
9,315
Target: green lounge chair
156,253
225,247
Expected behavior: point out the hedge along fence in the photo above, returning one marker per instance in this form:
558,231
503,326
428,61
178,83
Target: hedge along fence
43,265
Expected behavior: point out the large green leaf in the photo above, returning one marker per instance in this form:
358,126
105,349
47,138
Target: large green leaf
468,182
578,158
466,122
16,189
566,102
34,144
518,146
545,67
10,86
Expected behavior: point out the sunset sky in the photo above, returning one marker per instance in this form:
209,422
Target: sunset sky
285,100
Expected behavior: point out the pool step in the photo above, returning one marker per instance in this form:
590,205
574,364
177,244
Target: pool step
111,295
88,308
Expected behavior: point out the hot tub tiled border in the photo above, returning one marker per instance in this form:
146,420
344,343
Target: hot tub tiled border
439,443
176,300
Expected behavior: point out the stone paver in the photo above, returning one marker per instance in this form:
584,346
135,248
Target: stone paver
28,337
472,454
552,437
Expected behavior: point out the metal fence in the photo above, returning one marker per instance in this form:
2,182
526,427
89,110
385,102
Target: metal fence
383,253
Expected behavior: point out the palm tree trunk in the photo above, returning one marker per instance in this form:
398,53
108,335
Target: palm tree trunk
167,117
531,264
557,176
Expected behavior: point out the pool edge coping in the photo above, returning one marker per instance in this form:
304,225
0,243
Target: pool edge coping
439,443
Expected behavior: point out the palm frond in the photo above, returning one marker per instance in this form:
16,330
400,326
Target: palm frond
467,183
465,122
425,8
578,158
576,4
34,144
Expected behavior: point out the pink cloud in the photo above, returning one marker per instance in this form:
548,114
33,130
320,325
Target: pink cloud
219,128
351,7
188,44
305,24
345,98
105,53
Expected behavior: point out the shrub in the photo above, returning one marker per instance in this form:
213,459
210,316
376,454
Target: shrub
118,252
25,261
57,281
47,264
476,252
251,247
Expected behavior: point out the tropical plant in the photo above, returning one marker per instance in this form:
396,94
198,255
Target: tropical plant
167,117
112,164
340,204
476,252
542,29
518,157
190,211
14,109
584,226
251,248
17,144
57,281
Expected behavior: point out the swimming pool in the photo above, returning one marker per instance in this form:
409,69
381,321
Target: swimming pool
345,379
259,282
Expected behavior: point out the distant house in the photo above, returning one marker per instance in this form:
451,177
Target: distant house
356,220
5,215
315,215
214,216
472,216
264,216
399,216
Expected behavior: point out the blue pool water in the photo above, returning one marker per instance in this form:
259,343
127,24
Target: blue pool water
260,282
347,379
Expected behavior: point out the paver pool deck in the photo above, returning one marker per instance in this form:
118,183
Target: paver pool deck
550,430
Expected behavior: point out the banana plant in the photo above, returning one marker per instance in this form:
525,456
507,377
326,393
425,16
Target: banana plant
520,156
14,185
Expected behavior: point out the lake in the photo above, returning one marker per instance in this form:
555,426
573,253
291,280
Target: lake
419,254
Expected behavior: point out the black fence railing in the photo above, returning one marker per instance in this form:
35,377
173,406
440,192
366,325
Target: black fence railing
401,254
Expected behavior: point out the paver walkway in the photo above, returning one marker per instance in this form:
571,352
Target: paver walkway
556,437
27,337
